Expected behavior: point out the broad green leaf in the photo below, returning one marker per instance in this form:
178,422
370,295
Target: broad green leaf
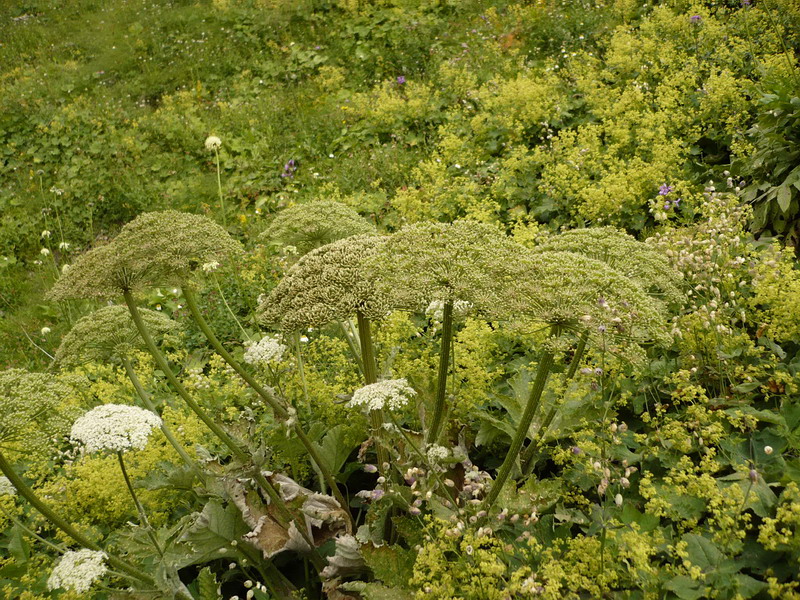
210,535
207,585
685,587
393,565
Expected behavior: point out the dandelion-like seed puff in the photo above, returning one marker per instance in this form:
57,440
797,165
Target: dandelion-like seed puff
78,570
213,143
115,428
312,225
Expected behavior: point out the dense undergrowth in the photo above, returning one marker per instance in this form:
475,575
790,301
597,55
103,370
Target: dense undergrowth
557,414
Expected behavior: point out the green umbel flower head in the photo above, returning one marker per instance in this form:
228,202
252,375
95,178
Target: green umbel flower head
327,284
109,333
463,261
580,294
315,224
155,249
36,407
636,260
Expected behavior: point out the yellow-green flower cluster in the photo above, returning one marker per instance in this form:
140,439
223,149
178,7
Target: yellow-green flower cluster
157,248
638,261
327,284
580,294
464,261
311,225
109,332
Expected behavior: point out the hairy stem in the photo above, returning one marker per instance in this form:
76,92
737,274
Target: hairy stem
145,398
545,365
139,508
444,363
27,493
268,396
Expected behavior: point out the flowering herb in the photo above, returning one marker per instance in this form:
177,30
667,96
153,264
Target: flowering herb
391,394
114,428
77,570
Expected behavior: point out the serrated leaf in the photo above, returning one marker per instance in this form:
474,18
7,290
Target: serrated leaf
207,585
685,587
210,535
393,565
376,591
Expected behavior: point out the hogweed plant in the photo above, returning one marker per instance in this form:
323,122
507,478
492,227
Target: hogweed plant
575,297
332,284
460,264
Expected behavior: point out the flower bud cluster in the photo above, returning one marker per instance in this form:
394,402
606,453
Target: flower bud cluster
391,394
268,350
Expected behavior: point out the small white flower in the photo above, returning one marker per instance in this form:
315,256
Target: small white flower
78,570
45,330
114,427
436,453
392,394
213,143
767,450
46,233
6,489
56,191
63,245
44,252
210,267
266,351
618,499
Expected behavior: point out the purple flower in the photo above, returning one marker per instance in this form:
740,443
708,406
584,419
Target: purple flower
695,18
370,469
664,189
745,2
401,80
289,168
377,494
667,205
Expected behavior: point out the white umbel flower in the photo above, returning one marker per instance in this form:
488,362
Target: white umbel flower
6,489
115,427
213,143
436,453
266,351
78,570
392,394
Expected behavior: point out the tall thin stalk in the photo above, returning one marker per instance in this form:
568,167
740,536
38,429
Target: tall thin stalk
139,508
543,371
29,495
145,398
441,383
268,396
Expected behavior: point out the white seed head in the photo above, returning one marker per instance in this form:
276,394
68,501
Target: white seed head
213,143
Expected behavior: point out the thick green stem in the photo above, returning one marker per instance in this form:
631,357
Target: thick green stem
376,417
145,398
545,364
27,493
139,508
31,532
530,451
237,452
444,364
268,396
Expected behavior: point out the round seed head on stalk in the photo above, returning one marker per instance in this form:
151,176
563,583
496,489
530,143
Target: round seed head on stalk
109,333
464,261
638,261
315,224
584,295
35,408
327,284
155,249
